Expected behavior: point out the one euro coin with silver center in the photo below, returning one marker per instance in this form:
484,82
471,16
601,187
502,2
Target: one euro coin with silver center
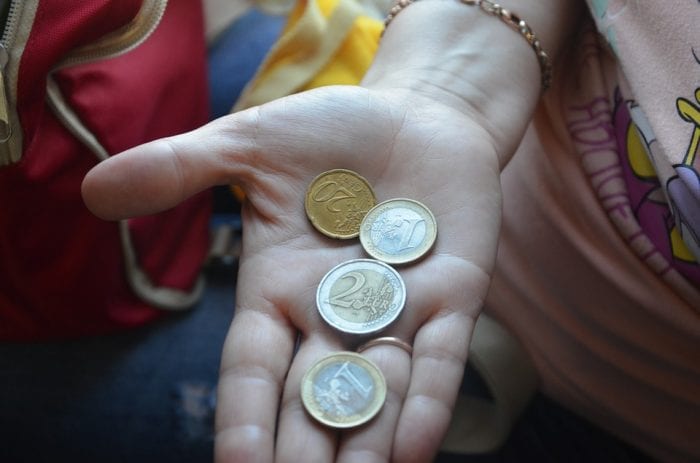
361,296
398,231
343,390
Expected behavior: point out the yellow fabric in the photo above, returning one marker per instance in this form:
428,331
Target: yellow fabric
325,42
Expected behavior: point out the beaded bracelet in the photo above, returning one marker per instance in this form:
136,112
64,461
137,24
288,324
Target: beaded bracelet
508,17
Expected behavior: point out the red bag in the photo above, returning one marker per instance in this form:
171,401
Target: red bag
86,79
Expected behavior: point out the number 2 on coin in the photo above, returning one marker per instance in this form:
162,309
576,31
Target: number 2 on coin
359,283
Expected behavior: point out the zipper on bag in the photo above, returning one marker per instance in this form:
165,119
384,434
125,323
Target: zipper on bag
12,42
5,125
111,45
10,131
122,40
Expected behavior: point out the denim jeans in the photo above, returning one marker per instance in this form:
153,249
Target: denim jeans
147,395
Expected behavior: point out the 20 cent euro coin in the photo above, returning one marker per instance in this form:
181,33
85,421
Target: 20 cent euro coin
343,390
361,296
337,201
398,231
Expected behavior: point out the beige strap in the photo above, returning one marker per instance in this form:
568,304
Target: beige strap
161,297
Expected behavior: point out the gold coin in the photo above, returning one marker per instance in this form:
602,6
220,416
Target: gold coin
343,390
337,201
398,231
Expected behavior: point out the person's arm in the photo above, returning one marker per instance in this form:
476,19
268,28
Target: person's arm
440,112
471,61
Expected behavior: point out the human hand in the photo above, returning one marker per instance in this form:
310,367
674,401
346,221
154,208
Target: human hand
413,147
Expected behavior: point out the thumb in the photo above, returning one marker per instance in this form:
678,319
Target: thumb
325,126
158,175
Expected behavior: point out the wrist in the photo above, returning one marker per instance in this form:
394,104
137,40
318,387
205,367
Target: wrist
469,61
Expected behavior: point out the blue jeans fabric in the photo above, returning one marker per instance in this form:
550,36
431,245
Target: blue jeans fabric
148,396
143,396
236,55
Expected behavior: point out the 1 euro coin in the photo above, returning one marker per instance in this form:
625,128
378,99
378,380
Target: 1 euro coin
343,390
398,231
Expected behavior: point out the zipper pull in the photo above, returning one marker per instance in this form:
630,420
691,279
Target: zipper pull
5,127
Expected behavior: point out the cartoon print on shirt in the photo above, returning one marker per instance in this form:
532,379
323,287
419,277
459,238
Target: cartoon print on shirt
637,146
629,169
684,188
641,147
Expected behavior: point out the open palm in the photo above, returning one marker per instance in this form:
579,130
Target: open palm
411,148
